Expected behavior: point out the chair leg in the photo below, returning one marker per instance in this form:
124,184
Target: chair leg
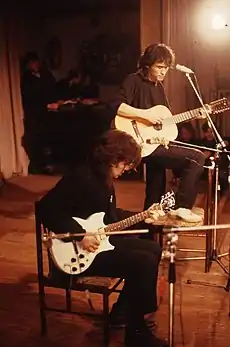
68,300
228,283
106,318
42,305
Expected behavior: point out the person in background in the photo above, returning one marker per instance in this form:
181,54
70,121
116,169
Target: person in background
69,88
187,133
39,94
77,86
38,85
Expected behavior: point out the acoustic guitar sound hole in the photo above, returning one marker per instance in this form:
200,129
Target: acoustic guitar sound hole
157,127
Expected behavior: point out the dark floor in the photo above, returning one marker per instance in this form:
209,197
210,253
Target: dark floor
201,311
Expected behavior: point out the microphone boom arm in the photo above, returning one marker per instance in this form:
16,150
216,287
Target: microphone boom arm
217,135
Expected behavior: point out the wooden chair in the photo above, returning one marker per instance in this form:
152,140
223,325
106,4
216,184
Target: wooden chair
100,285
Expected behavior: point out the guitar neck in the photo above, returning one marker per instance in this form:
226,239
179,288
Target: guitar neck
125,223
186,116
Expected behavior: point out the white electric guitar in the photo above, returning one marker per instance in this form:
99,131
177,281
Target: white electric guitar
143,131
71,258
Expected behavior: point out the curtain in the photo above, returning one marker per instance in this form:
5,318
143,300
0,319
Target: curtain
187,29
181,33
13,159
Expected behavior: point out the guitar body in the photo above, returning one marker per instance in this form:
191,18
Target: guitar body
147,130
70,257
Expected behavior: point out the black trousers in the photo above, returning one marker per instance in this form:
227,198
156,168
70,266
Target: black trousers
186,160
137,261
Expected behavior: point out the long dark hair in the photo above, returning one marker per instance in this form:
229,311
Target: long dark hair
157,52
113,147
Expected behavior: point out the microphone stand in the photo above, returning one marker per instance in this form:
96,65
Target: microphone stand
220,147
185,144
170,253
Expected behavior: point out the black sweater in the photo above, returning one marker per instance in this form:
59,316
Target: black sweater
139,92
80,194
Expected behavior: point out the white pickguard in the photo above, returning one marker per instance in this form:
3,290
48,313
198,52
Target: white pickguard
73,260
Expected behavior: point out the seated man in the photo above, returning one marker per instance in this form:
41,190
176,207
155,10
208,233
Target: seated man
77,86
69,88
89,189
143,90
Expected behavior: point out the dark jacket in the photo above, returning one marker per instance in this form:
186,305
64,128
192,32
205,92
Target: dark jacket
38,91
79,194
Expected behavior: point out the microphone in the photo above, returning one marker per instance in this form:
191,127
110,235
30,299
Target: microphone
183,68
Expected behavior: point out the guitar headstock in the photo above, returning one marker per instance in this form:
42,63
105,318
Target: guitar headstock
166,203
220,105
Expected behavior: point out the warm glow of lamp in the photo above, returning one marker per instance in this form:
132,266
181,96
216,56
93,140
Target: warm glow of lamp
218,22
212,21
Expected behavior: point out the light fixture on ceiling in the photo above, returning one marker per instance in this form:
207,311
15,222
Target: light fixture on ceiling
219,22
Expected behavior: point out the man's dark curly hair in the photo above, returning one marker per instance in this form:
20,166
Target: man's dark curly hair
113,147
157,52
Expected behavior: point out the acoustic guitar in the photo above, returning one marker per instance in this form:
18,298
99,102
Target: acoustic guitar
143,131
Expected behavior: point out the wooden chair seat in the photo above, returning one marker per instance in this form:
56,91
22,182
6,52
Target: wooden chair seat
94,284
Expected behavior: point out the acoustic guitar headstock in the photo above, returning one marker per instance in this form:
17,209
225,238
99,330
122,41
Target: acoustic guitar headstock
220,105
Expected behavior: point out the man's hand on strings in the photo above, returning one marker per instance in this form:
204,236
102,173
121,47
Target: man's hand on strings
155,119
90,243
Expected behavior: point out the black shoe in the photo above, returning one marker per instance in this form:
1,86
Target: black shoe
144,337
117,317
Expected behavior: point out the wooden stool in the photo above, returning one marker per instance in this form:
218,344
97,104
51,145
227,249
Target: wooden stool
170,221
